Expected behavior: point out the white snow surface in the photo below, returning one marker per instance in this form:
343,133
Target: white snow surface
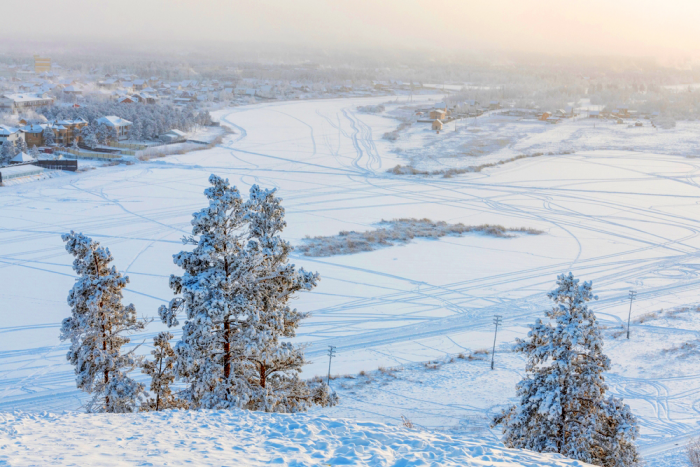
229,438
621,218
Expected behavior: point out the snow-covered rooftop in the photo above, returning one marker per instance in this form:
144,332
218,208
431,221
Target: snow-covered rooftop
23,157
112,120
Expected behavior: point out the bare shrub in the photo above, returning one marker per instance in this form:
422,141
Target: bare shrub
692,449
461,356
646,317
399,231
432,365
449,173
407,423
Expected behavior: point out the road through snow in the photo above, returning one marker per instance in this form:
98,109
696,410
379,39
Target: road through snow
622,219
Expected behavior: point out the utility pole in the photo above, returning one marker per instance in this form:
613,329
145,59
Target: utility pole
331,354
629,316
497,320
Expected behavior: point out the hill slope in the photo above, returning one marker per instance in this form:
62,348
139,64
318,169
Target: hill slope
239,438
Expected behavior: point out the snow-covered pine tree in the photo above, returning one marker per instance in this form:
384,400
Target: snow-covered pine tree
162,372
269,367
34,152
21,146
102,133
7,151
97,328
48,135
135,131
235,290
563,407
91,140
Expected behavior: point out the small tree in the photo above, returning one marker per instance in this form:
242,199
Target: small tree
34,152
91,141
135,132
161,371
48,135
563,407
20,146
97,327
235,293
7,151
102,133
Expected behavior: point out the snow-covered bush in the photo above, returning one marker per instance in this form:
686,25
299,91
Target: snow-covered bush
97,327
563,406
235,293
371,109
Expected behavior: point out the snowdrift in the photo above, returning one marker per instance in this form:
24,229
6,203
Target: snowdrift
239,438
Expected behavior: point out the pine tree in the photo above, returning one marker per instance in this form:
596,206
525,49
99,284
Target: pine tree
97,328
20,146
235,290
161,371
91,141
49,137
7,151
135,132
563,407
34,152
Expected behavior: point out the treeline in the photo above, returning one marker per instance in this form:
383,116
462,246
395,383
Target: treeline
149,121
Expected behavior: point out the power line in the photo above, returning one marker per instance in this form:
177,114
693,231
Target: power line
331,354
497,320
633,295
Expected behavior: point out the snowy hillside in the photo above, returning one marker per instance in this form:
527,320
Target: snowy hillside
239,438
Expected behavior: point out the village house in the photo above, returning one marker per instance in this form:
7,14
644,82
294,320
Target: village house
145,98
120,125
437,125
8,133
24,101
173,136
34,134
438,114
73,90
140,83
71,130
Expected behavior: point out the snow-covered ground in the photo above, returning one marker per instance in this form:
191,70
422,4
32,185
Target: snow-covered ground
241,439
624,219
494,137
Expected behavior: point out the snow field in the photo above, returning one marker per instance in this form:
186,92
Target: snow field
621,219
233,438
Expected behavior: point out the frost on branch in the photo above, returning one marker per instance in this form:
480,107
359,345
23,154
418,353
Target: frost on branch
563,406
97,328
237,282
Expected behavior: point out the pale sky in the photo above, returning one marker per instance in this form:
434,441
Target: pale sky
659,28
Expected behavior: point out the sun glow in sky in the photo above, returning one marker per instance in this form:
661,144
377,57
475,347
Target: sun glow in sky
662,29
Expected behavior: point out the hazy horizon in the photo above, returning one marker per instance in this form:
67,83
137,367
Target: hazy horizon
634,28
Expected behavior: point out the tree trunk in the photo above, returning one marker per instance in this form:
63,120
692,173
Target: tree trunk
227,348
104,348
262,375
